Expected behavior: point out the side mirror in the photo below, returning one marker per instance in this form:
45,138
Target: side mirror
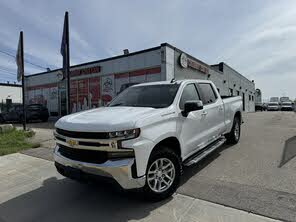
190,106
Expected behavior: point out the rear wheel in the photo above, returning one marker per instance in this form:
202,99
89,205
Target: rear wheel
163,174
234,135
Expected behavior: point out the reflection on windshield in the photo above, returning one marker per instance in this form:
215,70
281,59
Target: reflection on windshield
155,96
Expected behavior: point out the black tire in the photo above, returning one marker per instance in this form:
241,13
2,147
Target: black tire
233,137
1,119
164,154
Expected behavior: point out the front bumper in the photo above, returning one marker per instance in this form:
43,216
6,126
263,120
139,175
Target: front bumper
120,170
273,108
287,108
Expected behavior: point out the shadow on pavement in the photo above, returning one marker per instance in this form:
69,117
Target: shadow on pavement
67,200
190,171
289,151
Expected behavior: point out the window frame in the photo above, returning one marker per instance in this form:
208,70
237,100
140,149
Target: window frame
202,95
191,83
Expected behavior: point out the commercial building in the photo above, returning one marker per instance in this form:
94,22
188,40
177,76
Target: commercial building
95,83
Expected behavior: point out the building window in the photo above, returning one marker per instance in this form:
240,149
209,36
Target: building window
237,92
250,99
231,91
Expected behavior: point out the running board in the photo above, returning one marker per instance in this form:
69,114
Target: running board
204,152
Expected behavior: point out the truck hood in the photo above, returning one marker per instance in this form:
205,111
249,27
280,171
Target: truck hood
105,119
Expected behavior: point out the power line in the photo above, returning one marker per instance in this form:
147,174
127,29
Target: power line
8,72
26,61
7,69
7,79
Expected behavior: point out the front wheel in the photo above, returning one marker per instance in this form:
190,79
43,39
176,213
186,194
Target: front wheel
2,119
234,135
163,174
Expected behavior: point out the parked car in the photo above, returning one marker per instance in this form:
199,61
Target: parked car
287,106
259,106
146,135
33,112
273,106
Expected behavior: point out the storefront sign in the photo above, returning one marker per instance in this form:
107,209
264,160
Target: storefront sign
85,71
186,62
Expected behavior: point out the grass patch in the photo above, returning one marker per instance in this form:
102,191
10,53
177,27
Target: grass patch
14,141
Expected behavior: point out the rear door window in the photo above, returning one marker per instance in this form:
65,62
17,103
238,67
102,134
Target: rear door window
208,94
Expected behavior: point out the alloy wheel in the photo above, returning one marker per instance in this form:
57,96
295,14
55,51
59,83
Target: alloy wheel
161,175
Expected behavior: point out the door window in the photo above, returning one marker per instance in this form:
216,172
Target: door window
209,96
189,93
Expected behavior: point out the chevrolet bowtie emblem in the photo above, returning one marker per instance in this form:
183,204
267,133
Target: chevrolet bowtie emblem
72,142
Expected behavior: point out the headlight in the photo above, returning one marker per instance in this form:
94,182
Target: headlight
125,134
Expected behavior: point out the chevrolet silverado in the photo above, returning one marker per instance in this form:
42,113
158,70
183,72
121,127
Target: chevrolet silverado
145,136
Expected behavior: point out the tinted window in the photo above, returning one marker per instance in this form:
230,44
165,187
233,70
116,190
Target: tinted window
189,93
208,93
156,96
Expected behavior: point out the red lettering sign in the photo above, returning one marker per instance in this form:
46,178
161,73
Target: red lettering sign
85,71
195,65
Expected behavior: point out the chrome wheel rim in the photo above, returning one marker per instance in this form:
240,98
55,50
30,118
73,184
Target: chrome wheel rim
161,175
236,131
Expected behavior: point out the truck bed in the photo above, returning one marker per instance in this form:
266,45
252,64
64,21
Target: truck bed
231,104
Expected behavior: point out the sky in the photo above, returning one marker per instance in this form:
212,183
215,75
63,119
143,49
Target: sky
257,38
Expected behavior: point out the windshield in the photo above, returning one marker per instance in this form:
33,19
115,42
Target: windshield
155,96
274,99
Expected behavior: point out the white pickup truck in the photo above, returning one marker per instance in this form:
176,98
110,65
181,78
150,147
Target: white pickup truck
147,134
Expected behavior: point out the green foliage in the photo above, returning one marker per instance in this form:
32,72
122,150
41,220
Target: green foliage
15,141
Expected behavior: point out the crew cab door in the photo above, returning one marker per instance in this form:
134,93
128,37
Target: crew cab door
193,128
213,110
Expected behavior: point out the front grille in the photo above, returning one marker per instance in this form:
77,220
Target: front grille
60,138
83,143
89,156
83,135
93,156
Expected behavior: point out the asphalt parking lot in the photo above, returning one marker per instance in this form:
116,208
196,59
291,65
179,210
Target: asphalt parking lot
250,175
256,175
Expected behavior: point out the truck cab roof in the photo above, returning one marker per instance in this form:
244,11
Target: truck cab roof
173,82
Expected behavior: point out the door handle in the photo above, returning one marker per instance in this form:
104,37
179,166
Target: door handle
204,113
